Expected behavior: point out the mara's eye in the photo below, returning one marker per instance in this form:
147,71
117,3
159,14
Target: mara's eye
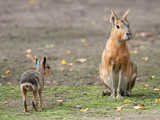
117,26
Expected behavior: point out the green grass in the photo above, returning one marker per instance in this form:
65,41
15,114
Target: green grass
74,99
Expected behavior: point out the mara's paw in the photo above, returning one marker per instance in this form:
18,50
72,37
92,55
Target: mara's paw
106,92
113,96
25,110
119,96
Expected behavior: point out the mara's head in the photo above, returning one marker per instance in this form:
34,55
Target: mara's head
43,66
120,25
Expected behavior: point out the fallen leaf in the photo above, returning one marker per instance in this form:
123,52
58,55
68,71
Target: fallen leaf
63,62
138,78
134,52
150,38
32,2
54,82
145,59
126,101
70,64
145,85
5,102
60,100
157,100
82,60
9,83
28,51
143,34
61,69
139,106
49,46
68,52
29,56
25,6
119,109
7,72
83,40
152,76
84,110
118,118
156,89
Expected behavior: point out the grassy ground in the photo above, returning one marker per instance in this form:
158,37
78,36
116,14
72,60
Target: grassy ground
54,27
74,100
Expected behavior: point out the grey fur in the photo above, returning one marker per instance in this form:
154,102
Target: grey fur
32,77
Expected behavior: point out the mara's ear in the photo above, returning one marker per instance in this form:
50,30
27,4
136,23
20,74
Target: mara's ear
37,62
124,17
44,60
113,17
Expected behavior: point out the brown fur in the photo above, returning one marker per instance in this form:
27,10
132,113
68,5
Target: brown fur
116,58
34,84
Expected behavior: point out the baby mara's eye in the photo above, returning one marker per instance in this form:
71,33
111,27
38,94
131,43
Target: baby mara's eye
117,26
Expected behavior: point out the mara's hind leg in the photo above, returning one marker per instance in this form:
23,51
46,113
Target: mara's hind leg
40,99
131,84
107,84
24,95
34,100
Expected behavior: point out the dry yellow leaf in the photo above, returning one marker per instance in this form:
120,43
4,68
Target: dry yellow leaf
119,109
126,101
63,62
7,71
83,40
5,102
84,110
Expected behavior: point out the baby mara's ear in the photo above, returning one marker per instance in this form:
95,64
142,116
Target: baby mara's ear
44,61
37,63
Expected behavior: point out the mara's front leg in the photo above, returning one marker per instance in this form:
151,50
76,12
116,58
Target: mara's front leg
113,87
119,85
